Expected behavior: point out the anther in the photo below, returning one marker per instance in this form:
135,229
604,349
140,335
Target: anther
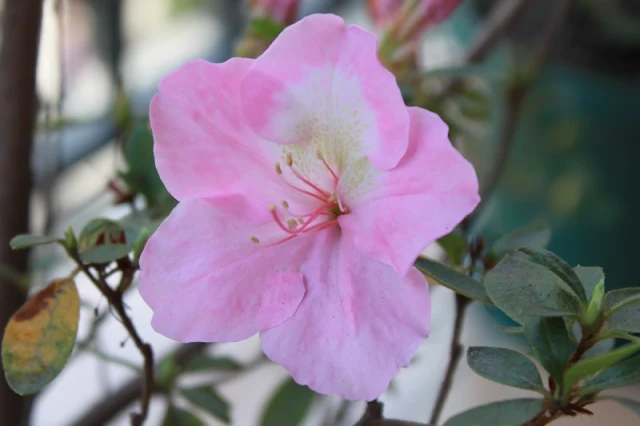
319,154
278,169
255,240
285,204
292,224
289,159
300,220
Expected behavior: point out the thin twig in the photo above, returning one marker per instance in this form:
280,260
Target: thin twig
501,18
105,411
516,94
454,358
373,417
456,348
114,297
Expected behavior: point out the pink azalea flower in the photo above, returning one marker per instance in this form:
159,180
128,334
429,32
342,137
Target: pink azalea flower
281,11
307,189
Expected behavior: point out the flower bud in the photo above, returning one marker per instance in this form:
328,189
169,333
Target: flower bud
280,11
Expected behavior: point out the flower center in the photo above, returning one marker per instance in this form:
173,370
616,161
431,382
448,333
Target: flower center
325,215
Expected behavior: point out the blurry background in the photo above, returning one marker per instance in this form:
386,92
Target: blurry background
574,163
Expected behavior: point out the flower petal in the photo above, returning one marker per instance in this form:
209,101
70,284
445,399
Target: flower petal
207,281
320,83
201,145
358,324
430,191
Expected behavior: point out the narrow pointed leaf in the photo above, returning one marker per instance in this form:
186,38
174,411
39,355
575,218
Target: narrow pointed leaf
24,241
591,366
549,341
288,406
205,398
513,412
625,373
454,280
536,234
524,290
622,309
505,366
40,337
558,267
202,363
178,417
590,277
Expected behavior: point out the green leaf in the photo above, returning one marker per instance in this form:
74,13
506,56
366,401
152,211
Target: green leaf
455,246
105,253
558,267
103,241
454,280
512,412
40,337
505,366
624,373
590,277
629,403
622,309
266,28
205,398
204,362
549,341
142,176
591,366
536,234
178,417
288,405
524,290
24,241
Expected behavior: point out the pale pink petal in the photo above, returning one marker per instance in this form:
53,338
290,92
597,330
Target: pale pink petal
423,198
321,84
201,145
358,324
207,281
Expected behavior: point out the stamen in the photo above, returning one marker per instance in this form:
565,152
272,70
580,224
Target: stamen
285,204
300,220
310,194
321,158
289,159
255,240
277,219
305,180
278,169
340,206
321,226
292,224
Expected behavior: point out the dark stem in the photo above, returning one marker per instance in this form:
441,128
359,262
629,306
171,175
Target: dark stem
501,18
115,300
18,107
454,358
104,411
373,417
516,94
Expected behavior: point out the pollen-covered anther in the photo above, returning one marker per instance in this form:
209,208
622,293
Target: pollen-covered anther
289,159
255,240
292,224
278,169
285,204
300,220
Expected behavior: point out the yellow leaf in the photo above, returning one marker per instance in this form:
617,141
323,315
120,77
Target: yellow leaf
40,337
